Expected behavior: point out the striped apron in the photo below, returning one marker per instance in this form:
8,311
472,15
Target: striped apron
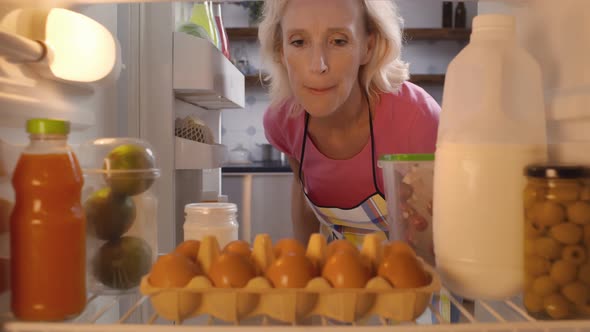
369,216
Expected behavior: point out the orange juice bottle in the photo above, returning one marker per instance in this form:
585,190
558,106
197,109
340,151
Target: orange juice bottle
47,227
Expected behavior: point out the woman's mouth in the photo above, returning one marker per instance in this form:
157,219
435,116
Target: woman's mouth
321,90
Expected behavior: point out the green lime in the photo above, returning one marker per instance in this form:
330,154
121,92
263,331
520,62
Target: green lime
109,215
129,168
121,263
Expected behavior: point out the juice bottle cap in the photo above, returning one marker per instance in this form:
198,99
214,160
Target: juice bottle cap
48,126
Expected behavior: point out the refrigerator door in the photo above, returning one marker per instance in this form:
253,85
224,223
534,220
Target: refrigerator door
137,99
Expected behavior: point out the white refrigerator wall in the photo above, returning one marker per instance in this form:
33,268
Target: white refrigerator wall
93,115
557,34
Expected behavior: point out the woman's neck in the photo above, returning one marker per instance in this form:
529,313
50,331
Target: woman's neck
350,114
346,132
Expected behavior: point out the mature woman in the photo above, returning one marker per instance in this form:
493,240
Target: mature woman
339,100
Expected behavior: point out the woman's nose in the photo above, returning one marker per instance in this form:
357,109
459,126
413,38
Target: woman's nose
319,62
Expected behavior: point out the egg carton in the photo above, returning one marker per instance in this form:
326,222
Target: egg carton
291,305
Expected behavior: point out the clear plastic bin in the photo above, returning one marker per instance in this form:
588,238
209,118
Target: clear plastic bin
408,181
121,211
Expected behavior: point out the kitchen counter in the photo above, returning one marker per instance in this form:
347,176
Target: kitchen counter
258,167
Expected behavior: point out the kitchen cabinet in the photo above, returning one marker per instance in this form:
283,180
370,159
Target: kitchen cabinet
263,200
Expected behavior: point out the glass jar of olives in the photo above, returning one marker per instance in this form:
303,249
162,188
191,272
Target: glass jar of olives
557,242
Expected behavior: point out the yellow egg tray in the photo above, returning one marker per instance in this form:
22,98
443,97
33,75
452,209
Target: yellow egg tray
291,305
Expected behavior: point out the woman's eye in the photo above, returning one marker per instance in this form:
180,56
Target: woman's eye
297,42
340,42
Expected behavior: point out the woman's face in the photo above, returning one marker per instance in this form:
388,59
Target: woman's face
324,44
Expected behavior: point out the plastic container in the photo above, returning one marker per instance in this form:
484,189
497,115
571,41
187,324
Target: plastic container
408,180
202,16
557,242
47,227
492,126
221,30
211,219
121,211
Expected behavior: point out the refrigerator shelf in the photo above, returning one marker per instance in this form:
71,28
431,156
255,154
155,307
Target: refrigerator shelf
203,76
504,316
195,155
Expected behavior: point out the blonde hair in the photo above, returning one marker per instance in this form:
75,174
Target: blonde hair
385,71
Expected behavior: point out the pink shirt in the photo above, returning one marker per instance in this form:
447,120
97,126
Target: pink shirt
405,122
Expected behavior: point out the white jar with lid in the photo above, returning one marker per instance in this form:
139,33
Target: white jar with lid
212,218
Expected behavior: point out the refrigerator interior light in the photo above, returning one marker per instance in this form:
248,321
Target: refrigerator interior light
77,48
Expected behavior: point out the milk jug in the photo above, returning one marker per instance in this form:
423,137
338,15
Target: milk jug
492,125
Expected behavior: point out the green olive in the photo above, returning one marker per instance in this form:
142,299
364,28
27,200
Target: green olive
533,229
548,213
529,246
533,302
579,212
564,192
556,306
587,235
544,286
547,247
576,292
585,193
584,273
563,272
567,233
536,266
574,254
533,194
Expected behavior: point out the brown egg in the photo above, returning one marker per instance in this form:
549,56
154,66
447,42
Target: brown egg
189,248
288,246
173,271
403,270
238,247
231,270
291,271
341,245
345,269
395,247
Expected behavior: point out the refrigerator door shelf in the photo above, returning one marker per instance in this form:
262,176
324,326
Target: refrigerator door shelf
195,155
203,76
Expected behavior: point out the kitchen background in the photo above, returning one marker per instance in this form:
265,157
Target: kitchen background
263,193
244,126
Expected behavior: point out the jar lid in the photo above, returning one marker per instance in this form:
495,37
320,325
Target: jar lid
210,207
557,171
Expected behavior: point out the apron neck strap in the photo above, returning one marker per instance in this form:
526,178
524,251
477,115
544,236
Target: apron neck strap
372,137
